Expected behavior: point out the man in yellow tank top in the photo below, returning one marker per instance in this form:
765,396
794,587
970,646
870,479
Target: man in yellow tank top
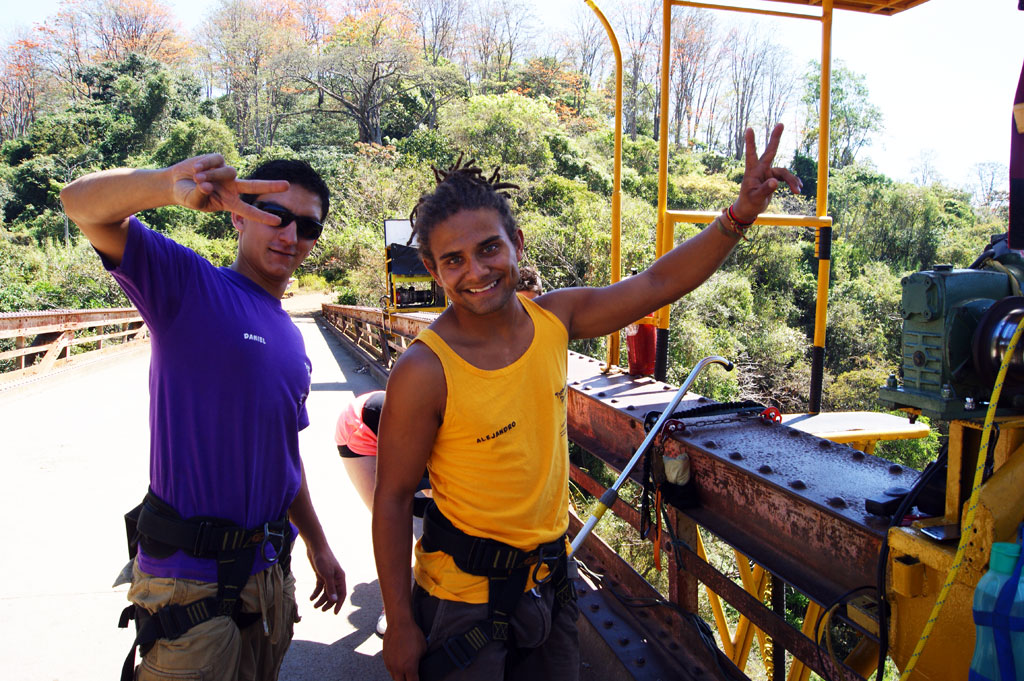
480,401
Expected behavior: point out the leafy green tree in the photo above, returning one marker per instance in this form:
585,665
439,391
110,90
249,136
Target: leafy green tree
806,168
129,107
31,190
549,77
249,48
897,223
137,93
54,277
218,250
506,130
193,137
175,219
426,145
402,115
371,63
316,130
960,247
641,154
853,117
780,263
697,192
572,162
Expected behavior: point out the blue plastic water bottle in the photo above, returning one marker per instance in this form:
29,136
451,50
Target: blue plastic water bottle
999,618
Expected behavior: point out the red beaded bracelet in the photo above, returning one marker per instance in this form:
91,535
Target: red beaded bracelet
735,221
728,226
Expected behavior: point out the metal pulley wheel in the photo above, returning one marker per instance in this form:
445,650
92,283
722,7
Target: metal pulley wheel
991,338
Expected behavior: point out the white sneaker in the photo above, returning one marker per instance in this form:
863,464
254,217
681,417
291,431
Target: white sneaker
382,624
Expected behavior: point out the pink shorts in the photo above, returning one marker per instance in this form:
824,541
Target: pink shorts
351,432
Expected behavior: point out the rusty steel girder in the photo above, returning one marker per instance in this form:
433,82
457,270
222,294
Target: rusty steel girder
406,324
792,502
369,315
669,645
14,324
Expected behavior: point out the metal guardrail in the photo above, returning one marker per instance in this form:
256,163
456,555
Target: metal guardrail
45,340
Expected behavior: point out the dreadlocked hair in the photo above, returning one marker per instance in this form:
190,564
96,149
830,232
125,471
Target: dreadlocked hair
462,186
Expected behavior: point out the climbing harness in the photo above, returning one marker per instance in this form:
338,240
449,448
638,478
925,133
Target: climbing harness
161,531
507,570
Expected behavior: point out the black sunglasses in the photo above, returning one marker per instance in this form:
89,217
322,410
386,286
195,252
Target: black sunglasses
305,227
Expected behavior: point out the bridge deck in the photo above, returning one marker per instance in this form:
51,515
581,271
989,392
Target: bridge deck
71,476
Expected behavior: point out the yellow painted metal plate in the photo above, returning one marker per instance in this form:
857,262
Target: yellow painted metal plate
856,426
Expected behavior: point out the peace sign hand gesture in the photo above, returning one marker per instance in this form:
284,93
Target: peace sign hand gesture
208,184
760,179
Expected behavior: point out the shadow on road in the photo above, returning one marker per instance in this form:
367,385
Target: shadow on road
355,656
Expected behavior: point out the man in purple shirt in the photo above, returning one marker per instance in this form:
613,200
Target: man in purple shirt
212,590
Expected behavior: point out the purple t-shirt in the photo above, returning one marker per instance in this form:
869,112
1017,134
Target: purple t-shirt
228,382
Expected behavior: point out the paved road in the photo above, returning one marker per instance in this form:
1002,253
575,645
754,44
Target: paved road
73,450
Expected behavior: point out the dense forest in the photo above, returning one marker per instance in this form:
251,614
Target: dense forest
374,92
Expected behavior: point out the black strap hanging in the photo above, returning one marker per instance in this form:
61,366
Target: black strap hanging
161,531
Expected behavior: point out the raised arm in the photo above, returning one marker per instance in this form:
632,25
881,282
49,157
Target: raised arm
590,312
412,414
101,203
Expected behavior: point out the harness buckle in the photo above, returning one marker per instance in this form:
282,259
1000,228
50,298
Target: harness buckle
174,621
547,554
455,647
267,534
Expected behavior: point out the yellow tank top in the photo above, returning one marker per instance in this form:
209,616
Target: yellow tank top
500,464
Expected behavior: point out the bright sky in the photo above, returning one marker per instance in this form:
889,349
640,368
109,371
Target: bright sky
944,73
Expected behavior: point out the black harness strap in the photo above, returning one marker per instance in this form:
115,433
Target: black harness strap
680,496
161,531
507,570
715,409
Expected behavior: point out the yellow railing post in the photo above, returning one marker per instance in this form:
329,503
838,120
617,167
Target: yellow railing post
798,671
823,235
716,607
612,357
664,232
754,581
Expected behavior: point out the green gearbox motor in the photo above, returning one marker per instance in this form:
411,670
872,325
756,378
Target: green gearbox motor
956,327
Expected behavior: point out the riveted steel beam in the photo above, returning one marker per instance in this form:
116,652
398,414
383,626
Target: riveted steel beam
791,501
649,637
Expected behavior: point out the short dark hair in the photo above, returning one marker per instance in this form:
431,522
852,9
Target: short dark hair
460,187
294,171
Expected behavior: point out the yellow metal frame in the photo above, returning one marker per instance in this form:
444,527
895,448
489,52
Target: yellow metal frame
737,644
918,565
667,219
858,429
612,357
